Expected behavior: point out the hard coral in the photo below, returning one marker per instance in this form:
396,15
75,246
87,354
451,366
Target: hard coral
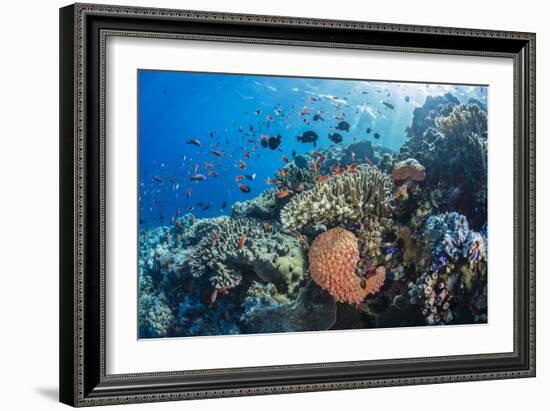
244,246
409,169
348,197
333,257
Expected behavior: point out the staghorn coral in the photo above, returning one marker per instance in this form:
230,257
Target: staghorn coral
333,258
409,169
244,246
351,196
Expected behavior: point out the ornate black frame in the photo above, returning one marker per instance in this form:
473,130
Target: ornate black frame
83,30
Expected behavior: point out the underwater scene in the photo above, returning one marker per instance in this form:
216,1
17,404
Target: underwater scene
272,204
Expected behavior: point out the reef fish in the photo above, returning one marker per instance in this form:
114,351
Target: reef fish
224,205
251,177
198,177
369,130
388,105
317,117
217,153
336,138
194,142
407,99
244,188
308,137
343,125
376,136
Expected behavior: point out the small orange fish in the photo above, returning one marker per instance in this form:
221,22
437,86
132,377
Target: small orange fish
282,172
242,241
352,168
192,219
321,179
298,187
242,165
239,177
178,238
267,226
247,155
244,188
217,153
271,181
285,159
214,240
208,165
315,153
282,193
212,173
213,296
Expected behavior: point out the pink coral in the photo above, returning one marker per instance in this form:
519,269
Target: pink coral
374,283
333,257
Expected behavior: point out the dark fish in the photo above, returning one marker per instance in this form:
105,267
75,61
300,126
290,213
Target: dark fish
198,177
258,111
224,205
337,138
364,92
376,136
274,142
250,176
206,207
407,99
369,130
388,105
194,142
200,204
212,133
142,221
308,137
318,117
244,188
157,179
293,153
343,125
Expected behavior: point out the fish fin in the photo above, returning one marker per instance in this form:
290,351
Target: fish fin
314,143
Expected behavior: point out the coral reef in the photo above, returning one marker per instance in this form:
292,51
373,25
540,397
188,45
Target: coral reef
234,248
351,196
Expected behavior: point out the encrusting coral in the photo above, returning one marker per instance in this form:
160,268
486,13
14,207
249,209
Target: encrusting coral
351,196
238,247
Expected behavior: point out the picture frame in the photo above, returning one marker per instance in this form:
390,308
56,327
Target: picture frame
84,29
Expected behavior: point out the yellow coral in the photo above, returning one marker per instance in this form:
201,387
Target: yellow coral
348,197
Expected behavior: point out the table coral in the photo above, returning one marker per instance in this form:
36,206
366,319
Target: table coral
348,197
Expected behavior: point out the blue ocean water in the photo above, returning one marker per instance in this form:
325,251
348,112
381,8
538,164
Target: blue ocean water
211,127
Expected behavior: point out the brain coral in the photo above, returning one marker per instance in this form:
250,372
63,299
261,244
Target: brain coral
333,257
347,197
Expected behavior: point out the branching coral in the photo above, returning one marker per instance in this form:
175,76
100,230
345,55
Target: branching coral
351,196
234,248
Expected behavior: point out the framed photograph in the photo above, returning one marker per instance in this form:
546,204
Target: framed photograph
261,204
